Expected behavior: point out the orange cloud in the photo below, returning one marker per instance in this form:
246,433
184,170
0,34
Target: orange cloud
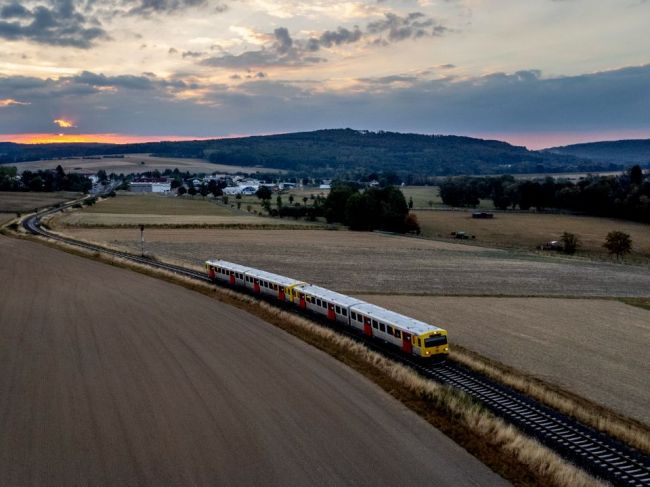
7,102
64,124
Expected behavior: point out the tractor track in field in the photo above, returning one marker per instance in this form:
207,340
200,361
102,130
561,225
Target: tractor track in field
599,454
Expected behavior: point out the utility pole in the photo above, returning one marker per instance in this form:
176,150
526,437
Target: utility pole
142,239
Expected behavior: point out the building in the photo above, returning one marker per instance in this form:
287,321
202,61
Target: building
150,185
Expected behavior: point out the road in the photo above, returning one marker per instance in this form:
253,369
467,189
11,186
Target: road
114,378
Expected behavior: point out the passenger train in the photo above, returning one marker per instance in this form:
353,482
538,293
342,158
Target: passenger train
412,336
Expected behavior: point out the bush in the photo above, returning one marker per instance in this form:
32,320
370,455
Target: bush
618,243
570,243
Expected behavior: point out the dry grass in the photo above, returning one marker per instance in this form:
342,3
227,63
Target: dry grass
132,163
387,264
528,230
502,447
597,349
11,201
6,217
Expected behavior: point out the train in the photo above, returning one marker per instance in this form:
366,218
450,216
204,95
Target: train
411,336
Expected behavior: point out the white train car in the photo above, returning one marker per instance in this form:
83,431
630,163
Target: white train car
334,306
412,336
269,284
227,272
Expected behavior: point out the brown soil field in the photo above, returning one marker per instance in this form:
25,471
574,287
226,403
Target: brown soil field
121,379
5,217
371,262
132,163
595,348
528,230
11,201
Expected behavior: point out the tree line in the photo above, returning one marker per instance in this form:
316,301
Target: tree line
624,196
43,180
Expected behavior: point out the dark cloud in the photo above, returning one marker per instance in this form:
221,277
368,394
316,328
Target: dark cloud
148,7
284,50
53,22
523,101
394,28
192,54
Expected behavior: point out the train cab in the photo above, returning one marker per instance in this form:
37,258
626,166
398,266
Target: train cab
227,272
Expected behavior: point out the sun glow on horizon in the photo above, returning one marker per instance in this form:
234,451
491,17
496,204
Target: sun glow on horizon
59,138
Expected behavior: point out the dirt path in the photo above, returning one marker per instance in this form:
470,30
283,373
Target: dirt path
109,377
595,348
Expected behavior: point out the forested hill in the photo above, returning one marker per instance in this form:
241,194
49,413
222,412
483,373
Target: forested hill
338,152
621,152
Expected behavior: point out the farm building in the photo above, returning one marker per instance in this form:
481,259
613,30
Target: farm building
151,185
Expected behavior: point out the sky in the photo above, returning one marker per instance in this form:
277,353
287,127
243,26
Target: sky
537,73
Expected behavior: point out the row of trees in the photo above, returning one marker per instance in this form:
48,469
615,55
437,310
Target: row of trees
372,209
43,180
624,196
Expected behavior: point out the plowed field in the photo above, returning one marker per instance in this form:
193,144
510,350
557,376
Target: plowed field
113,378
370,262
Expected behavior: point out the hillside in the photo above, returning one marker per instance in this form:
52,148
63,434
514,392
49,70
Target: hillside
617,152
337,152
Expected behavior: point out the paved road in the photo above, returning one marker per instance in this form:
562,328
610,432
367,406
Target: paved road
113,378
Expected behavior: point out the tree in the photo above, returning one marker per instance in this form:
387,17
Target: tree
102,176
410,202
181,190
203,190
278,201
191,191
264,193
291,199
636,175
570,243
618,243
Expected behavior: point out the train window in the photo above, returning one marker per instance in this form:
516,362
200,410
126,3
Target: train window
390,329
338,309
382,327
318,302
398,333
324,305
353,315
375,324
419,343
345,312
435,341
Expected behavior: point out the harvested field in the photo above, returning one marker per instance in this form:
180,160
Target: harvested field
5,217
371,262
133,163
528,230
12,201
106,381
595,348
153,204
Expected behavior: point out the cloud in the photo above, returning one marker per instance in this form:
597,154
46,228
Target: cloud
64,124
149,7
283,50
8,102
52,22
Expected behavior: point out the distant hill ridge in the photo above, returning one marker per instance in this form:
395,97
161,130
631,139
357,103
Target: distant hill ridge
339,152
634,151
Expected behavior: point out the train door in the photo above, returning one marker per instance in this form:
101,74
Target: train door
232,278
211,273
367,327
331,315
281,295
303,302
256,285
407,346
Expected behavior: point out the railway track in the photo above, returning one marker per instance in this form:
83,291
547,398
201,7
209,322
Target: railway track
602,456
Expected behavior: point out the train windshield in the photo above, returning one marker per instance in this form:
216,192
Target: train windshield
435,341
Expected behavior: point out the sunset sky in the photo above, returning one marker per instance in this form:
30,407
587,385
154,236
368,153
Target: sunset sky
535,72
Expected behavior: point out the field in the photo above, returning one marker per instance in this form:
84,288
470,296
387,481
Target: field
5,217
121,379
128,209
428,197
528,230
371,262
595,348
137,163
12,202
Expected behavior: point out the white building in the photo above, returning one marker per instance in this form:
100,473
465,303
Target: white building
150,187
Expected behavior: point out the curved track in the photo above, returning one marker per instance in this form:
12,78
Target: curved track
597,453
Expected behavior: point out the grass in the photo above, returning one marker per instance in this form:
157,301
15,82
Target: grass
643,303
528,230
429,197
152,204
13,201
505,449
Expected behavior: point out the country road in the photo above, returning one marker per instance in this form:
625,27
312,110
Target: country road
108,377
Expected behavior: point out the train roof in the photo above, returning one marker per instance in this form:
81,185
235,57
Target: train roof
275,278
327,295
412,325
229,265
